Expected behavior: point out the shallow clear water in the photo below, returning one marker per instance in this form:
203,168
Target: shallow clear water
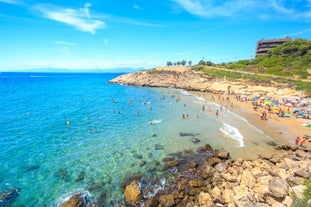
56,128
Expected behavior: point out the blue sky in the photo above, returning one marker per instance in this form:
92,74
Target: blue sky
141,33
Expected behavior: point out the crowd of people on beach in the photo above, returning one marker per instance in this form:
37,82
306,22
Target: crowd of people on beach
291,107
284,107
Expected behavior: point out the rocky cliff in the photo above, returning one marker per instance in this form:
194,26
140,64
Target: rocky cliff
191,80
185,79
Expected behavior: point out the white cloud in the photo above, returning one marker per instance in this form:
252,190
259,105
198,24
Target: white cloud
210,8
86,9
299,33
65,43
16,2
78,18
264,9
136,6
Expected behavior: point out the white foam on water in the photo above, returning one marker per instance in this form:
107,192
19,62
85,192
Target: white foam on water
233,133
37,76
156,188
185,93
157,121
200,98
68,196
245,120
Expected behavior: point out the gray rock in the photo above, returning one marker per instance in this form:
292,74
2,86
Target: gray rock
302,173
293,181
222,154
244,202
278,188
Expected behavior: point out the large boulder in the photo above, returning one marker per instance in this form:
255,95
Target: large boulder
205,199
248,179
227,195
167,200
76,200
132,193
222,154
278,188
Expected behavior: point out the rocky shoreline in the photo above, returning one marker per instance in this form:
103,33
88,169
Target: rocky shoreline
210,177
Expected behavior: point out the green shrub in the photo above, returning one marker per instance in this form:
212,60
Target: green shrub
307,195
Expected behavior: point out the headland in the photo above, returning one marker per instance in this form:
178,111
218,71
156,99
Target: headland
245,98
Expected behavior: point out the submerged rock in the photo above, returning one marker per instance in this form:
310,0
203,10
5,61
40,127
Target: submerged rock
80,176
205,148
137,156
31,168
8,196
185,134
272,143
158,147
195,140
63,174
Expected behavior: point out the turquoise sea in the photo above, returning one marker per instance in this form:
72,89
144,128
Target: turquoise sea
67,132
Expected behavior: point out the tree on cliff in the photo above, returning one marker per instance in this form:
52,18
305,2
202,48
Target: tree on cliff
169,63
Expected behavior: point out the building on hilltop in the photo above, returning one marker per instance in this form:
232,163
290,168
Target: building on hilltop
263,46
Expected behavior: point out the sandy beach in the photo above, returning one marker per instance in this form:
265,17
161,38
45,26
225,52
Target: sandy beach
283,130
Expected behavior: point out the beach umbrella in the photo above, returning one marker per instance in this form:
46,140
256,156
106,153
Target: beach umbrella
274,103
267,103
301,113
296,109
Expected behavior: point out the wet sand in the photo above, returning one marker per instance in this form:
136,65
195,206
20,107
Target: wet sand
282,130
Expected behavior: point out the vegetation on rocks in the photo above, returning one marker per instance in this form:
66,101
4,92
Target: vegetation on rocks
288,63
292,58
307,196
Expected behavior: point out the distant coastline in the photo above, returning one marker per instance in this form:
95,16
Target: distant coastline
60,70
